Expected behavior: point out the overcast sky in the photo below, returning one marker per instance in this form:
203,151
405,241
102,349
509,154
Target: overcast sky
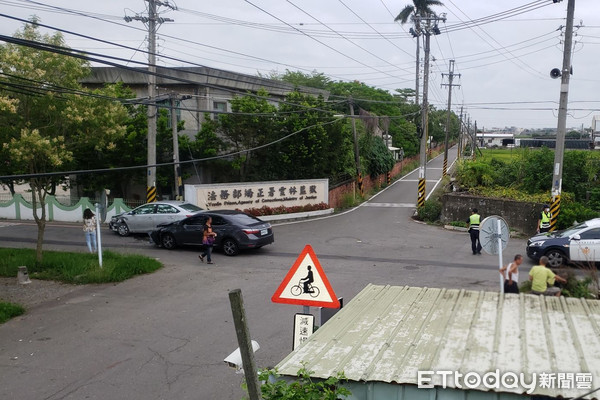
504,62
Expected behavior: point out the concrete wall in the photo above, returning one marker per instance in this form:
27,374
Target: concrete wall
521,216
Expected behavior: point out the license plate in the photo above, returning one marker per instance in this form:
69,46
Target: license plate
264,232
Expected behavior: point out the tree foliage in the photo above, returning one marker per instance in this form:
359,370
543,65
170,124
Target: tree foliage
50,124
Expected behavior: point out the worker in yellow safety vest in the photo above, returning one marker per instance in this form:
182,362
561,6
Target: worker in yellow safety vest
544,220
474,221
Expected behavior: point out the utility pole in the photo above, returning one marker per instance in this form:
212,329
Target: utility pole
562,117
173,98
151,20
449,84
460,135
429,29
474,140
356,154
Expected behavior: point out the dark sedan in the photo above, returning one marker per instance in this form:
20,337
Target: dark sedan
235,231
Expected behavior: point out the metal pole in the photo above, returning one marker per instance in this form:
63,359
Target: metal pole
151,178
562,117
500,254
245,343
98,235
424,122
176,166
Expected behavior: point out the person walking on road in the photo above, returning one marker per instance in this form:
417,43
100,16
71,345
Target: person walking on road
473,222
510,273
541,276
89,229
544,220
208,240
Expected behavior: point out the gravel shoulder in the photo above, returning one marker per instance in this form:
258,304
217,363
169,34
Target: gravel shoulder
34,293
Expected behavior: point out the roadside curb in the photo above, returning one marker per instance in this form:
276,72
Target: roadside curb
455,228
295,216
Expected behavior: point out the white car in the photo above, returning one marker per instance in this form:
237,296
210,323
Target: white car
145,218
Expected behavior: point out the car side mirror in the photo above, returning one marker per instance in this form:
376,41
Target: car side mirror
576,237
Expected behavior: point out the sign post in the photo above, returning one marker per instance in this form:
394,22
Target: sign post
494,235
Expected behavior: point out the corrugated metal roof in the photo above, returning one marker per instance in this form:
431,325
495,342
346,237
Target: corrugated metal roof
388,333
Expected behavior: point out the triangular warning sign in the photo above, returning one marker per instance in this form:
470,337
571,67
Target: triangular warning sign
293,288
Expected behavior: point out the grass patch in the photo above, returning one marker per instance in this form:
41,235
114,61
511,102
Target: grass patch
77,268
500,153
9,310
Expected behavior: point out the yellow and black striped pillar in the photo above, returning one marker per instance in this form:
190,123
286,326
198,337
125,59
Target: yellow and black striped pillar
445,167
151,194
389,177
421,198
554,211
361,189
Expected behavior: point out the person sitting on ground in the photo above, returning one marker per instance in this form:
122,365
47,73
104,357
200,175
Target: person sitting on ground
541,276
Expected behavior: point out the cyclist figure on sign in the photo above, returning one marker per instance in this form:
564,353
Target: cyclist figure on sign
308,280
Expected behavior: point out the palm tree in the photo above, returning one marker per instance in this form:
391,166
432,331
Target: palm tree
418,8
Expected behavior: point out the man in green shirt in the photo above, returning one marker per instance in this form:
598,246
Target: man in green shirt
541,276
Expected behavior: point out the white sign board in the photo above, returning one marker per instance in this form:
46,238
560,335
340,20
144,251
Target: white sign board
247,195
304,325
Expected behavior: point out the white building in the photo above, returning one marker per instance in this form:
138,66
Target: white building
491,139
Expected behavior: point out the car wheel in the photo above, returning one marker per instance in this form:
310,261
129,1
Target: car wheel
168,241
230,247
556,258
123,229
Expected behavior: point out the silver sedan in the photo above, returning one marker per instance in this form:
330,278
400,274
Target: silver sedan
146,217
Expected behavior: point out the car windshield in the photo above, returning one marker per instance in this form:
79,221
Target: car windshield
571,231
190,207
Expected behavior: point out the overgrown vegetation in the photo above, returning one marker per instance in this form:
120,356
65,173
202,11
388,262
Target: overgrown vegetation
77,268
303,388
527,176
431,210
9,310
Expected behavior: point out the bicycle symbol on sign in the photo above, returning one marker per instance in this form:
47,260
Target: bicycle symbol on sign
297,290
305,285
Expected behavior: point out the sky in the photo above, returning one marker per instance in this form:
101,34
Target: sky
503,50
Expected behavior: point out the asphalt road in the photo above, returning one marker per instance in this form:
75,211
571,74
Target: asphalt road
165,335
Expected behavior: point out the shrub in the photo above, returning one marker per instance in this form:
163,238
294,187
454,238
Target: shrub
571,212
266,210
304,388
577,288
461,224
430,212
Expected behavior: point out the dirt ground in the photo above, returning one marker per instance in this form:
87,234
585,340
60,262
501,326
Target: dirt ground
34,293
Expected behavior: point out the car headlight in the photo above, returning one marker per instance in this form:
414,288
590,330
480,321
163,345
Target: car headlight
537,244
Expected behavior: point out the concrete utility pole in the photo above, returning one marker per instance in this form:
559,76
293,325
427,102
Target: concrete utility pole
427,31
356,154
460,135
151,20
450,85
562,117
418,67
